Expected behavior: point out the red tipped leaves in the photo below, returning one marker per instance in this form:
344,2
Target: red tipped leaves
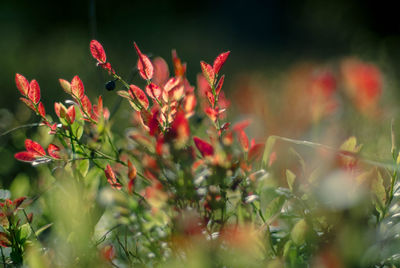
34,151
204,147
132,172
208,72
34,147
54,151
41,110
137,93
71,114
34,92
219,85
161,71
153,91
25,156
22,84
86,105
144,65
112,180
77,88
255,152
28,103
97,51
244,140
180,129
178,66
219,61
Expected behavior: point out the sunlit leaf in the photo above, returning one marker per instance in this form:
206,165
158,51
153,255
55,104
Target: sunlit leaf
97,51
22,84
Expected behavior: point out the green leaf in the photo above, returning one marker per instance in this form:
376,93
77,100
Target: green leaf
77,129
43,228
350,145
290,178
274,207
378,189
269,145
24,232
299,232
286,248
83,167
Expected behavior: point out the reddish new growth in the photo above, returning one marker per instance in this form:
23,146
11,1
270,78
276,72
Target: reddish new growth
31,95
98,53
210,87
111,178
92,113
163,109
36,154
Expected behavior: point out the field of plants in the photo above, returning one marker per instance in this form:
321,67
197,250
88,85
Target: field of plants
177,174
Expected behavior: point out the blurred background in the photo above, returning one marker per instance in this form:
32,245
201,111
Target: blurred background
272,43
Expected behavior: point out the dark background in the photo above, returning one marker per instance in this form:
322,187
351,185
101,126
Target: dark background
48,40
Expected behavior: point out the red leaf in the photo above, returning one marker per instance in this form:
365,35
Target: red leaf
219,61
132,172
107,66
41,110
34,92
161,71
255,151
77,88
204,147
54,151
22,84
110,175
180,129
97,51
211,113
100,106
202,85
98,111
228,138
71,114
241,125
153,124
57,109
108,252
208,73
153,91
86,105
4,241
25,156
171,83
178,66
34,147
28,103
17,202
65,85
244,140
211,98
138,94
189,104
144,65
219,85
